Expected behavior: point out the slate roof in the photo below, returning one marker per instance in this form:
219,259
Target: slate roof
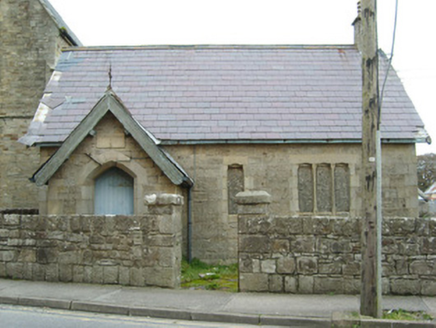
189,94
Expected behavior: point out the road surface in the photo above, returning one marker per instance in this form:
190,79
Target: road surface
19,316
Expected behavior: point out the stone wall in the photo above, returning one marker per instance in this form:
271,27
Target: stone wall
319,255
30,45
274,168
140,250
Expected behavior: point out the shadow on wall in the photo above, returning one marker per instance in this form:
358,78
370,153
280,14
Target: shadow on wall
23,211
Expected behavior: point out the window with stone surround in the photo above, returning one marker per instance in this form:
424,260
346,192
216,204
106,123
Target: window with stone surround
305,188
342,188
324,188
235,184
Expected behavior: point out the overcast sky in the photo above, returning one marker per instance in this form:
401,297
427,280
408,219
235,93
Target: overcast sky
146,22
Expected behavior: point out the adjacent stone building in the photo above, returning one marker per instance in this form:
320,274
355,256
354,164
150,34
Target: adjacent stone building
32,35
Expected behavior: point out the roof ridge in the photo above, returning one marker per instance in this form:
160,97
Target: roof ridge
213,47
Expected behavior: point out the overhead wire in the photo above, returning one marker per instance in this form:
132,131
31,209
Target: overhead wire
389,65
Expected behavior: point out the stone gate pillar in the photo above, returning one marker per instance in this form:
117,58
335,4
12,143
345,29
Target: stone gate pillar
253,241
167,209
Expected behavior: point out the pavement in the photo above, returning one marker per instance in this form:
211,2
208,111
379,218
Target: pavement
241,308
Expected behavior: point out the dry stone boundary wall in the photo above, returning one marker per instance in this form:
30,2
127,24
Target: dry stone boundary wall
321,255
128,250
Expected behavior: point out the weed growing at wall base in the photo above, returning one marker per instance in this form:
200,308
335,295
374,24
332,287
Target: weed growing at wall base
199,275
401,314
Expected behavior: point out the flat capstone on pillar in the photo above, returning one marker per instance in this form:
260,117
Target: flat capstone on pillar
253,202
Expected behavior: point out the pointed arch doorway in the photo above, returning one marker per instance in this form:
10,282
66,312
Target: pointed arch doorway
114,193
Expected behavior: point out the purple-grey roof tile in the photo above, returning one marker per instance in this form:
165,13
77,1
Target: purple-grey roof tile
197,93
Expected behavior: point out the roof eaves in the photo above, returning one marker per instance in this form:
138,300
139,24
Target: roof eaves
285,141
255,141
188,180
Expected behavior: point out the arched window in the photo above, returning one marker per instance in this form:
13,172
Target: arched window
114,193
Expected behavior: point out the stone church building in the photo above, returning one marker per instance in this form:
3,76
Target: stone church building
101,128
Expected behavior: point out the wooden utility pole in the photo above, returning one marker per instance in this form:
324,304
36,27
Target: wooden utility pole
370,300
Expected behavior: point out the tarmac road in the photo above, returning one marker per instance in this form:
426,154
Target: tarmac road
19,317
210,309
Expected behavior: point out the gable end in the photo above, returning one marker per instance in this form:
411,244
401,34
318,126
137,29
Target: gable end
110,102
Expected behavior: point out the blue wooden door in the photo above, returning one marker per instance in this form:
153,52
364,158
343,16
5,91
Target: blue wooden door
114,193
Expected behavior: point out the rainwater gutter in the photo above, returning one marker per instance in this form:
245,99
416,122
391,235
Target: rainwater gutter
190,186
188,183
281,141
425,139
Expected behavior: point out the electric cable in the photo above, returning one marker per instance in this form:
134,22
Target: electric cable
389,66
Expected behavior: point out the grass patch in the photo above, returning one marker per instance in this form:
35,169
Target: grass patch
199,275
406,315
